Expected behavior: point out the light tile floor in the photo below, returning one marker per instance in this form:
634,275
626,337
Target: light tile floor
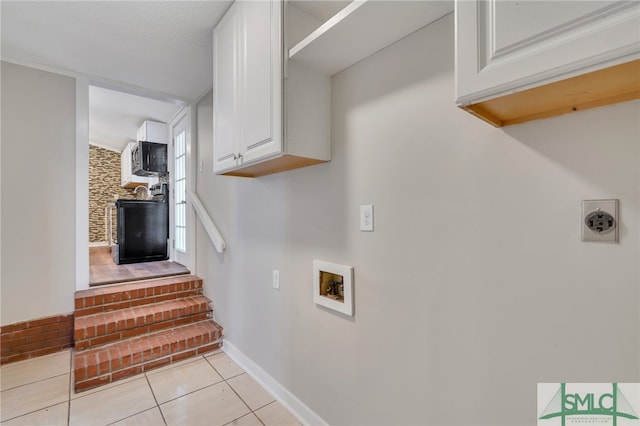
206,390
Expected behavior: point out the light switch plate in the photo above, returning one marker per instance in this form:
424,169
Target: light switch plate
599,213
276,279
366,218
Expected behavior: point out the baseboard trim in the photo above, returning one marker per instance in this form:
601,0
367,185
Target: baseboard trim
303,413
99,244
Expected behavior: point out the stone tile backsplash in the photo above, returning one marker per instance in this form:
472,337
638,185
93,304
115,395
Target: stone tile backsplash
104,183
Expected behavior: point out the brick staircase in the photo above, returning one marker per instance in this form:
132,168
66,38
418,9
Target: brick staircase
130,328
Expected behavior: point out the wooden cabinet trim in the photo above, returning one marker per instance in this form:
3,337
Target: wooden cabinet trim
608,86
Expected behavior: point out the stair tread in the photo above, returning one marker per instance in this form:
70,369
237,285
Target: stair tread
125,358
153,340
92,301
119,288
107,327
173,334
124,314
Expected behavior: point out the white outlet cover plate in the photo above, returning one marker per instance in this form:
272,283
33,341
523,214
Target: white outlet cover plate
366,218
609,206
276,279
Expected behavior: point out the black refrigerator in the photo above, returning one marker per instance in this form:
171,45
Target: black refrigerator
143,231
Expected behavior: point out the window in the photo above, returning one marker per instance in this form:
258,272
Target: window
180,195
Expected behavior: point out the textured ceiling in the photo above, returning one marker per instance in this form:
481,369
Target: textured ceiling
114,117
159,48
164,46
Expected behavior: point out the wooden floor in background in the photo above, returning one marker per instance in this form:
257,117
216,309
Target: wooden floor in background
103,270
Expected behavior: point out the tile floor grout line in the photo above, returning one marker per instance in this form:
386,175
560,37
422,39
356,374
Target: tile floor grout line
215,369
243,401
128,417
70,390
193,391
212,366
71,383
268,403
154,397
103,387
31,383
31,412
244,415
170,366
189,393
42,380
225,381
209,362
211,385
258,417
228,384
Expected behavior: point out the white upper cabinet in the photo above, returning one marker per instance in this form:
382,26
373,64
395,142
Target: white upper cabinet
247,84
153,131
261,99
252,99
272,94
226,42
504,47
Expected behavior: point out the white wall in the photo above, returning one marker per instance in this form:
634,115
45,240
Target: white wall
38,193
474,286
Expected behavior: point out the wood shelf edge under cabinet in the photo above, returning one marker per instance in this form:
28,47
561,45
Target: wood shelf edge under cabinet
619,83
274,165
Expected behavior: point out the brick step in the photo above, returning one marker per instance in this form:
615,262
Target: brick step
111,298
106,327
108,363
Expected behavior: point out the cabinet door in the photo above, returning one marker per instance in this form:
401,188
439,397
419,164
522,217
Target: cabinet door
261,85
226,55
504,46
128,179
125,165
156,132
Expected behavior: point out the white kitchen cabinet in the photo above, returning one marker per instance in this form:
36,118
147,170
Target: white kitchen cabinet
127,179
225,87
252,99
153,131
555,56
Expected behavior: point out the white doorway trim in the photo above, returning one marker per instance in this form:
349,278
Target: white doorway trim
82,182
83,81
182,121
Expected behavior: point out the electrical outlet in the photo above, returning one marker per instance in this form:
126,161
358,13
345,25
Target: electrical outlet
366,218
276,279
600,221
